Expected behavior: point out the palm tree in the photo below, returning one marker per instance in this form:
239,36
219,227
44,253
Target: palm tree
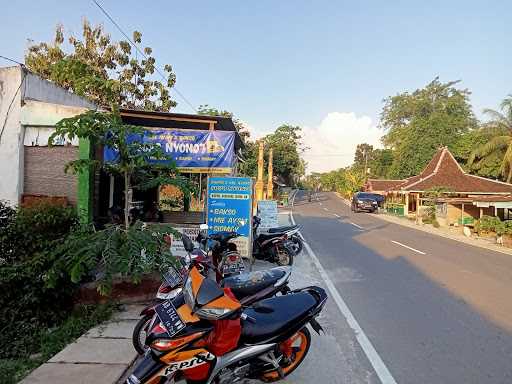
501,122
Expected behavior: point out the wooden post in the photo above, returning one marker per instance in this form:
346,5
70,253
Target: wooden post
462,215
270,183
481,212
406,206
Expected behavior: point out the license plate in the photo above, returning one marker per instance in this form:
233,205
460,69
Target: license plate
173,277
232,268
170,318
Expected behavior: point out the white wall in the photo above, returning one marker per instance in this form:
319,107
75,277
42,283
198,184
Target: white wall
11,139
37,104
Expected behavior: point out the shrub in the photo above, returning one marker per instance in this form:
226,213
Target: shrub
113,251
26,303
435,223
488,224
34,230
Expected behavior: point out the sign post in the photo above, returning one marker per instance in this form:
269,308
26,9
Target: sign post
229,208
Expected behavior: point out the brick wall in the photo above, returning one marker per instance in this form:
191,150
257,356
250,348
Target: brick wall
44,172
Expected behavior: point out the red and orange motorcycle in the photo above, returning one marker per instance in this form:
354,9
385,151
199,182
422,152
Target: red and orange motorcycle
204,335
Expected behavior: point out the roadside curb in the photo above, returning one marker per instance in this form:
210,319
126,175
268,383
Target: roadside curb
102,355
476,242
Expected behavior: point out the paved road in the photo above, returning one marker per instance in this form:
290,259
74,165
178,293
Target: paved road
436,310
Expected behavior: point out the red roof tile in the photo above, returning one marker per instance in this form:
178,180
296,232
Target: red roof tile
444,171
381,184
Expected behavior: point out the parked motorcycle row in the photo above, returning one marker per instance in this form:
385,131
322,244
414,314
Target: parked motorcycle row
214,322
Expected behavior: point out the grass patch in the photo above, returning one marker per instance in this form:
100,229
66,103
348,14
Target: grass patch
52,341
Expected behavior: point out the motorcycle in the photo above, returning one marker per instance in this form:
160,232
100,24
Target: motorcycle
205,335
272,247
248,287
292,231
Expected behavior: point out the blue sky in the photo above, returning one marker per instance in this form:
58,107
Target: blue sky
324,65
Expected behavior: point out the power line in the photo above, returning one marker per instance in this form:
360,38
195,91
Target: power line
12,60
143,54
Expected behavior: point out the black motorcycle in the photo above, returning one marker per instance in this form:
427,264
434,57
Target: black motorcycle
273,247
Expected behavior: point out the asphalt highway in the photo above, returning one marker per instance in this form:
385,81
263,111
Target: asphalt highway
433,309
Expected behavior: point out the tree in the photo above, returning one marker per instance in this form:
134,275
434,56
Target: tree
134,156
500,144
249,164
416,124
103,71
363,156
287,144
381,162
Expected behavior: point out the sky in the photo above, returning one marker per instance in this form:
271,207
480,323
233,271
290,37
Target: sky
322,65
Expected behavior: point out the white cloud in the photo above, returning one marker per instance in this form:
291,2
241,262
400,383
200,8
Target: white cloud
332,144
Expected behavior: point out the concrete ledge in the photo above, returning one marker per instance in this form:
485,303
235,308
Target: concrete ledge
88,350
76,374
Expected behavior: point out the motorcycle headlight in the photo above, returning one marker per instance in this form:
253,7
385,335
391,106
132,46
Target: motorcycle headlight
212,313
188,293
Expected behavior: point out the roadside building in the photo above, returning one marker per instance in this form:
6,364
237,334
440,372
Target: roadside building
459,198
29,170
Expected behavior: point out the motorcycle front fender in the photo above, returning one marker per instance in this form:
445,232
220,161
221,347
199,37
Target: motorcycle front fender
145,369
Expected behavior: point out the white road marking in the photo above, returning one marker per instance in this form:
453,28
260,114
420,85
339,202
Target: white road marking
335,214
406,246
326,209
355,225
375,360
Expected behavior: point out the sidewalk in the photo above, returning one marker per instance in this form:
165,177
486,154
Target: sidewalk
100,356
482,242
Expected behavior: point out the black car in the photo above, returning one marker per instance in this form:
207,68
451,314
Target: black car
363,201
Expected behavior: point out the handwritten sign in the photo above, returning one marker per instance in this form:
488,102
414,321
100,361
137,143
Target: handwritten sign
267,212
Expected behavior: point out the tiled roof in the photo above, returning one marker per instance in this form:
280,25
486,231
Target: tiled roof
444,171
382,185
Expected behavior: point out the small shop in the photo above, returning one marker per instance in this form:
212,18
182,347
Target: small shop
201,146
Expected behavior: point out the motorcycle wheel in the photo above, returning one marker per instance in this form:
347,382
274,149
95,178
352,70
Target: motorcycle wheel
139,334
300,348
297,244
284,256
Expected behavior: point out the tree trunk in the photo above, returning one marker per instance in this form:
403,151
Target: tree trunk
509,177
126,200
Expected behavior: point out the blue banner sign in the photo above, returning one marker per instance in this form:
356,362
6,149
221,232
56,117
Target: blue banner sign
193,151
229,208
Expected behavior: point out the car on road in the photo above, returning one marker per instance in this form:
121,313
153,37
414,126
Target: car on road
364,201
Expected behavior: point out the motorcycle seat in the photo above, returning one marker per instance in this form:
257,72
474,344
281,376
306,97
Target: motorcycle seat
282,229
270,317
266,236
250,283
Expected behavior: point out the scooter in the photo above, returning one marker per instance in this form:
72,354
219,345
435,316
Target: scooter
292,231
247,287
272,247
206,336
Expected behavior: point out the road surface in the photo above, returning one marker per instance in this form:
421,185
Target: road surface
434,310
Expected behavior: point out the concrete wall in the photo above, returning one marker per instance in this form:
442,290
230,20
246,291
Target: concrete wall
11,134
28,105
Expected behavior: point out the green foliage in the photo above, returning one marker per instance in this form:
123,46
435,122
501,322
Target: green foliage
418,123
287,144
27,232
105,72
345,181
112,252
134,155
497,143
488,224
46,342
